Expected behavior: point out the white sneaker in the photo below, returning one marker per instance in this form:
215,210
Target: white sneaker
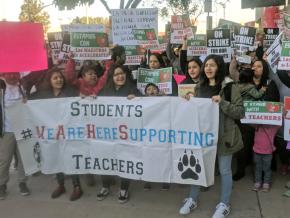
188,205
103,194
221,211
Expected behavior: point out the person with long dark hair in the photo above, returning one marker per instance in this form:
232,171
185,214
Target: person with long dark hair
119,85
215,85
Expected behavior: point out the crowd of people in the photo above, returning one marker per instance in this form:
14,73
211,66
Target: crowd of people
228,85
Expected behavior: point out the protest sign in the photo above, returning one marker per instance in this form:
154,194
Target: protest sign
181,26
161,77
273,53
287,118
284,62
227,24
197,45
134,54
98,28
147,38
219,43
180,22
22,47
286,25
270,35
185,89
162,45
129,138
125,20
177,36
55,42
263,112
90,46
244,40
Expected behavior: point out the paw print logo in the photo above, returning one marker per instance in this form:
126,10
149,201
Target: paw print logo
189,166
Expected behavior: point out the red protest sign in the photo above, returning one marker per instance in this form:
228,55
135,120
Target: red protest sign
22,47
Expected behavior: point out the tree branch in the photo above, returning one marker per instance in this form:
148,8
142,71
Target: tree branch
136,3
104,2
129,3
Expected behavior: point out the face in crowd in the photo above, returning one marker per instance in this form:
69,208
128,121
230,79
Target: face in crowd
152,91
119,77
258,69
90,77
210,69
57,80
193,70
154,62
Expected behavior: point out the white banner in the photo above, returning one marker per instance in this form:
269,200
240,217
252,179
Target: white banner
157,139
125,20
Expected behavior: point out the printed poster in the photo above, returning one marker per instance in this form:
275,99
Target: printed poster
219,43
284,62
125,20
161,77
263,112
244,41
197,45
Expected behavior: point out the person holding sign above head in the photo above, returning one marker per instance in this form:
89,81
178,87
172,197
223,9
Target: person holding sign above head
156,62
119,85
214,84
191,68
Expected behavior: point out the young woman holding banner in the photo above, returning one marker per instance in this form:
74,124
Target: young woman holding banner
57,89
215,85
119,85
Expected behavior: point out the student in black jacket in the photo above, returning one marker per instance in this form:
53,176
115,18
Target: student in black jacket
119,85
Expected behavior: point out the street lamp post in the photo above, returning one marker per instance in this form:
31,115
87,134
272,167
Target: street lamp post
223,4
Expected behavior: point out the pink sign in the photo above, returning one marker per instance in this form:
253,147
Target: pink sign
22,47
178,78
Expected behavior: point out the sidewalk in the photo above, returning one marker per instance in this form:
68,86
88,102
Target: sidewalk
142,204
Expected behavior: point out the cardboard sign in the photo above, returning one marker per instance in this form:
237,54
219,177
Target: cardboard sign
284,63
270,35
90,46
22,47
219,43
55,42
134,54
125,20
147,38
286,26
185,89
197,45
262,112
161,77
244,40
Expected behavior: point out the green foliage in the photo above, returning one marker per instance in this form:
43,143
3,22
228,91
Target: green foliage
71,4
179,7
31,10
